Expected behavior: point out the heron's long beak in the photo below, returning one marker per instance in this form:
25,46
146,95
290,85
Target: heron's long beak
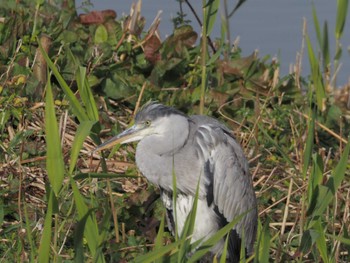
134,133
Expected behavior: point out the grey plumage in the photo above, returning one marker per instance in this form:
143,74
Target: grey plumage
195,147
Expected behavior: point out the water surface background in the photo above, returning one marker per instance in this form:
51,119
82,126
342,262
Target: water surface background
273,27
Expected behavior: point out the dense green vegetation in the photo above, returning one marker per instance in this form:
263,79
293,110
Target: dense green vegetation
66,81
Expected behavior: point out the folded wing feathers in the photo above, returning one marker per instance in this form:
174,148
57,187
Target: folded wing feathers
229,169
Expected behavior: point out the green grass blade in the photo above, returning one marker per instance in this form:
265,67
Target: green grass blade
317,170
243,247
204,56
315,181
54,158
210,12
338,53
341,239
174,202
342,10
159,239
45,241
83,131
91,228
238,5
328,191
77,109
224,251
78,241
321,241
158,244
317,25
188,228
309,144
308,239
86,94
215,56
339,171
29,233
105,225
316,77
158,253
325,47
264,244
79,237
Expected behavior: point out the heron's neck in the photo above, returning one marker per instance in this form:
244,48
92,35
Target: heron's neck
155,153
156,167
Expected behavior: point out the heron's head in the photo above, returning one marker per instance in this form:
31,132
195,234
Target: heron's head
153,119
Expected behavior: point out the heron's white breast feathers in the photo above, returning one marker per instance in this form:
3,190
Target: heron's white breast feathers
206,222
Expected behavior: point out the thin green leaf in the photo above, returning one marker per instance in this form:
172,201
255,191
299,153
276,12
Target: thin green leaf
324,197
86,94
315,181
342,11
215,57
317,25
29,232
325,47
316,77
188,228
328,191
77,109
309,144
158,253
238,5
210,12
341,239
158,244
91,228
159,239
338,54
321,241
317,171
174,201
243,247
45,241
264,243
54,158
78,239
308,239
83,131
224,251
339,171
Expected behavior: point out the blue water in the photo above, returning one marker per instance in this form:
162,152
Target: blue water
273,27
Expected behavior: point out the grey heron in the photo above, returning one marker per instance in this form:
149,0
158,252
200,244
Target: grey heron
195,147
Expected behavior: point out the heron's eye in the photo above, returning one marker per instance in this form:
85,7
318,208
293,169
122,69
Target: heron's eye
148,123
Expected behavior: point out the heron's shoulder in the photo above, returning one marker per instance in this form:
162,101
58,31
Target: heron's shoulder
209,125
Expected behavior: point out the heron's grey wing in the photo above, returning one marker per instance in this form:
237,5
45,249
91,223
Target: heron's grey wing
229,186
